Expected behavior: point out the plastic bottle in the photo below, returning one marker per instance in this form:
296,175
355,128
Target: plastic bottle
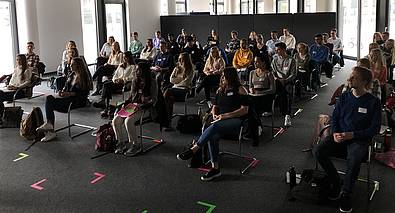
387,139
292,177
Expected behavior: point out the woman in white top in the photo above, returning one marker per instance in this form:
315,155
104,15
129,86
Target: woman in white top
181,78
124,74
149,52
213,69
115,59
20,78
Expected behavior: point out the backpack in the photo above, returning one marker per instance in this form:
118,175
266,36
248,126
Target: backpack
12,117
105,138
31,123
313,187
189,124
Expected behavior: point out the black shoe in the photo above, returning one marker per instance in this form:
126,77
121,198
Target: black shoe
99,104
121,148
210,175
104,114
188,154
133,151
334,192
345,203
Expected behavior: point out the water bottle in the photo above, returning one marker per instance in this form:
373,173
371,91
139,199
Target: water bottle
292,177
387,139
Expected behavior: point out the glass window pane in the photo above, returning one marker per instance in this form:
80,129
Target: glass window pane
200,6
368,25
348,16
266,6
180,7
282,6
88,15
310,6
392,19
293,4
7,53
164,8
115,23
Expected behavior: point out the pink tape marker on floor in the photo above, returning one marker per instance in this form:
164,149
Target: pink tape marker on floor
99,177
36,185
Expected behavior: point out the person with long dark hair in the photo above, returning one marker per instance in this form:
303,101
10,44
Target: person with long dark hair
20,78
144,93
229,110
75,91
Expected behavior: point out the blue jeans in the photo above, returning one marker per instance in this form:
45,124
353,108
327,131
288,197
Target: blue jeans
215,131
355,151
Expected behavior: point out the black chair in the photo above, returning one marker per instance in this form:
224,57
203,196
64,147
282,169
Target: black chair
70,125
366,161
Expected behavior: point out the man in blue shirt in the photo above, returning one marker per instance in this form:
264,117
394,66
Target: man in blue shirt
319,55
355,120
163,65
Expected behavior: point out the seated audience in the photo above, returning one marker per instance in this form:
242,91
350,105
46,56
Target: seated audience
149,52
232,45
31,57
289,41
162,65
61,80
212,40
115,59
135,46
144,93
174,49
252,39
355,120
330,46
262,89
337,48
378,38
20,78
272,42
157,39
181,78
195,53
213,69
260,49
242,60
229,110
378,67
385,35
389,53
75,91
105,52
319,54
284,71
195,41
70,44
302,58
123,74
182,39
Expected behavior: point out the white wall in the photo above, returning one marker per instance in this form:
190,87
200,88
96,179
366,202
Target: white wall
144,17
57,22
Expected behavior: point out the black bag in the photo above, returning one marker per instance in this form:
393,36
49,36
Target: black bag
189,124
12,117
313,187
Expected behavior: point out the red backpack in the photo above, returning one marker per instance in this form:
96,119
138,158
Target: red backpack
105,138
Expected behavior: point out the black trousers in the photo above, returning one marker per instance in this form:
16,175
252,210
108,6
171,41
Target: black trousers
106,70
208,82
258,105
110,87
60,104
283,97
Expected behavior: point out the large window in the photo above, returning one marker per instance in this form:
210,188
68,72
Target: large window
310,6
348,22
247,6
221,7
266,6
115,23
7,36
368,25
392,18
282,6
181,6
88,15
164,7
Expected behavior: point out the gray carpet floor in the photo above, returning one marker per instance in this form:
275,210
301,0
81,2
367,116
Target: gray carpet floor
157,181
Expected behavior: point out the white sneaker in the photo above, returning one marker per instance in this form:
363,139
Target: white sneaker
209,104
45,127
50,135
287,121
266,114
260,130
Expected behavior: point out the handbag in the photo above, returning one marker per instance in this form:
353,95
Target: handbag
12,117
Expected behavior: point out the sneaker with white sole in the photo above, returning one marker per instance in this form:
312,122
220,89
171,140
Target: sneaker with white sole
210,175
50,135
45,127
287,121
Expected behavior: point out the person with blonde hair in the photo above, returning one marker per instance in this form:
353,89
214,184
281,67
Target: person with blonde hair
378,67
213,69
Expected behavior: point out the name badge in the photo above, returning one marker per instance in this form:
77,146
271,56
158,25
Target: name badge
286,68
229,94
159,60
246,56
193,52
362,110
140,91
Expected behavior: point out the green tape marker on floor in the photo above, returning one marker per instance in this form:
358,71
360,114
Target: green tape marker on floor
145,211
210,206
